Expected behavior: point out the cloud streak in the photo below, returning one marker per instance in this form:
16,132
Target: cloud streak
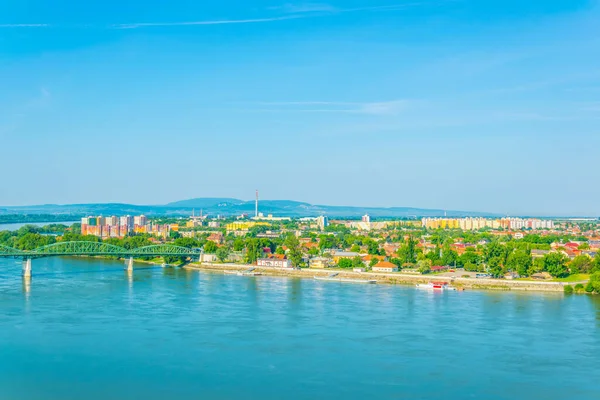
289,11
303,8
383,108
192,23
25,25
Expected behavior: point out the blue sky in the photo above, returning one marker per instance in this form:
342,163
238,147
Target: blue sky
479,105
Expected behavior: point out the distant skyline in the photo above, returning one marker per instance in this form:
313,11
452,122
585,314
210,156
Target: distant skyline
485,106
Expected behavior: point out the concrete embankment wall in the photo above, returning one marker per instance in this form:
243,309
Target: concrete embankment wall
394,278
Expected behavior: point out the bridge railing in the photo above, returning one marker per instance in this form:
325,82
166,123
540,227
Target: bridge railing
99,249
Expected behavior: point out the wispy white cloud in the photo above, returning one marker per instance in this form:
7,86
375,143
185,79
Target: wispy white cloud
290,8
306,103
25,25
209,22
382,108
287,11
385,108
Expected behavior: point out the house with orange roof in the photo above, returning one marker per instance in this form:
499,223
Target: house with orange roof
385,266
370,257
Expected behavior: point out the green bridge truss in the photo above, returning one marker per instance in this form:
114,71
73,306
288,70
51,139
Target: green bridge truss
98,249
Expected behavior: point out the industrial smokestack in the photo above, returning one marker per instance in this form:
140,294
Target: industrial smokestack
256,206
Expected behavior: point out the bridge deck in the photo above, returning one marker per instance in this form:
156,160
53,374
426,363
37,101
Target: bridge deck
98,249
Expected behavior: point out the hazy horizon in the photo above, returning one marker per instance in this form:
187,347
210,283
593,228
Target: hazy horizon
483,211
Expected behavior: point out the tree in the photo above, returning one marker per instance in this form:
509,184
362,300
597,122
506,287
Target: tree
222,253
407,252
596,263
327,242
449,257
469,257
396,261
568,289
494,250
190,243
580,264
519,261
373,261
174,235
357,262
424,266
238,245
294,251
556,264
595,282
495,267
434,257
345,263
471,267
279,250
30,241
355,248
210,247
253,251
373,247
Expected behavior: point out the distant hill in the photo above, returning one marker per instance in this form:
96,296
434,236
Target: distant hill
205,202
229,206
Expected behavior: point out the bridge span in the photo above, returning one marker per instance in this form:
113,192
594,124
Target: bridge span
96,249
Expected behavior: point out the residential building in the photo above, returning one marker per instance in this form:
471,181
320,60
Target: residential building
215,237
322,222
274,262
337,255
385,266
320,262
140,220
244,225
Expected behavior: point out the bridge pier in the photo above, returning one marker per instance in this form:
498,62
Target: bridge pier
129,267
27,268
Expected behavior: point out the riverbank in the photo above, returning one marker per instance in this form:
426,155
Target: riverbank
391,278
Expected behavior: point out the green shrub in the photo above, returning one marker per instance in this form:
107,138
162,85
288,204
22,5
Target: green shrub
589,287
579,288
568,289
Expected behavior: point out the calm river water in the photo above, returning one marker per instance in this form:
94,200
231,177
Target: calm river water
84,329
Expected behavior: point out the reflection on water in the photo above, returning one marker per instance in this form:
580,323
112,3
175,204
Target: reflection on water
26,286
84,328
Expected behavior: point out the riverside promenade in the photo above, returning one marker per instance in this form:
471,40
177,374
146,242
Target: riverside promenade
393,278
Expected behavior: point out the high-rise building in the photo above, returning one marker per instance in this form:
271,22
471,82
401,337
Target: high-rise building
322,222
140,220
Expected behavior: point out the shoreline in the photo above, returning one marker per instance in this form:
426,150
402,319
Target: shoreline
390,278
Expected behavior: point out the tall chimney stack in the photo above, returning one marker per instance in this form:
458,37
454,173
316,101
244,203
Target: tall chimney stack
256,206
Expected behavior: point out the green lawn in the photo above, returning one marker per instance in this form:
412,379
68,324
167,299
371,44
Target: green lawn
573,278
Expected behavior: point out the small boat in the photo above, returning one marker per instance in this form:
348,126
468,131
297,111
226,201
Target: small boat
347,280
249,272
435,286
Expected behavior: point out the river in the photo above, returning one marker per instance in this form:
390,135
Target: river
85,329
15,227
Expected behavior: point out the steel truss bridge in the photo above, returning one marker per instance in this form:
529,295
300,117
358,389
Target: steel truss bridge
98,249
